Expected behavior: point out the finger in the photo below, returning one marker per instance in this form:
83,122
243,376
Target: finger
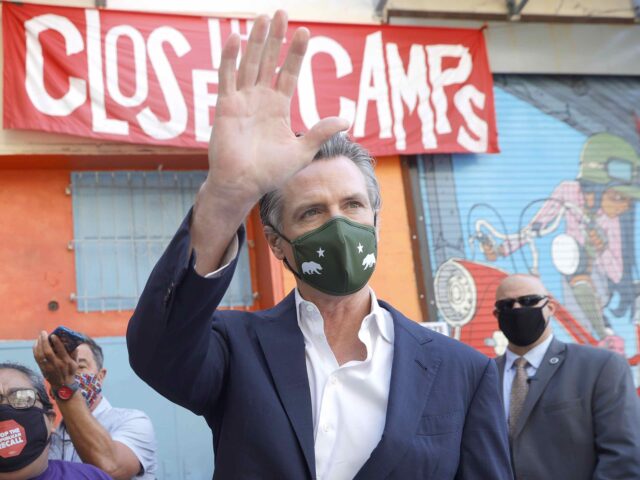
250,63
59,348
38,353
288,76
271,52
227,71
322,131
47,351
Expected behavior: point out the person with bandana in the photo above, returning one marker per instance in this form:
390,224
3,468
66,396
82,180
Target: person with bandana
331,383
119,441
572,410
26,425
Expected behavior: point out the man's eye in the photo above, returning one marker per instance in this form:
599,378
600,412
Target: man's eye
354,204
310,212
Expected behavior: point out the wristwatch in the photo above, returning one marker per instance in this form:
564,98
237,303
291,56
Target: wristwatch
65,392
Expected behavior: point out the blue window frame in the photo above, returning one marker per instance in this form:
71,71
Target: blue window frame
122,222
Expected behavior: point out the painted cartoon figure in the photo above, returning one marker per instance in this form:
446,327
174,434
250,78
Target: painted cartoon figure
595,254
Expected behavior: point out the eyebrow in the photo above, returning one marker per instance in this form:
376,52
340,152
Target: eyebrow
349,198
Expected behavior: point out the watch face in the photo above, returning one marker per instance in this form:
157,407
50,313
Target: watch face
65,393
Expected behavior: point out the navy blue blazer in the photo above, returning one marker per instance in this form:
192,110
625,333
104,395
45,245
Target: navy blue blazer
245,372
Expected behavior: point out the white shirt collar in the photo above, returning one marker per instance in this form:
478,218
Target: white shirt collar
310,320
533,356
103,406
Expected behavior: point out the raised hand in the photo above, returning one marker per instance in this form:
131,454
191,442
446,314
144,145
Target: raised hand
56,364
252,149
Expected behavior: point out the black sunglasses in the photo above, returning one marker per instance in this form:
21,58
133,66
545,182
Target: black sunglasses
525,301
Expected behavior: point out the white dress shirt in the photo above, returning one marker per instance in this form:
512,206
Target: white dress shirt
533,356
349,402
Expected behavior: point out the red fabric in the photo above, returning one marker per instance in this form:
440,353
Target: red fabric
151,79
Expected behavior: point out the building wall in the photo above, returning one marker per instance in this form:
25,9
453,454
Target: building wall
560,201
38,267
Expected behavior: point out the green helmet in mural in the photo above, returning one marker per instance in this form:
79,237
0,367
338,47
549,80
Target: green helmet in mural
607,158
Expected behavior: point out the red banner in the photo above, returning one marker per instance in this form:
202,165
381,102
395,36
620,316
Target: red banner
152,79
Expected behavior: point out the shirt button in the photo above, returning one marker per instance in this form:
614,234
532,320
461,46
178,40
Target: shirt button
309,308
333,380
326,427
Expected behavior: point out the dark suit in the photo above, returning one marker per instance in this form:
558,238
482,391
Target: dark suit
246,374
580,419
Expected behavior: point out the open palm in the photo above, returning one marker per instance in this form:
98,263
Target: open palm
252,149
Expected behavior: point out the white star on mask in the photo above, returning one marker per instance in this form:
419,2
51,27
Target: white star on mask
320,252
360,247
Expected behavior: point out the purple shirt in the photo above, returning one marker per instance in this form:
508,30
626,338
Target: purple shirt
59,470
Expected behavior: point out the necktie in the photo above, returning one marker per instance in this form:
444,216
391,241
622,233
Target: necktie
519,389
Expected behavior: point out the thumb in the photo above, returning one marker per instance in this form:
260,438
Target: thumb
322,131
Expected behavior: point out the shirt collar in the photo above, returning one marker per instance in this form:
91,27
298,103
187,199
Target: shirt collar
102,407
533,356
310,320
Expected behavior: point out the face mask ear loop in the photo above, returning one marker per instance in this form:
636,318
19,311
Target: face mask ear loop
295,274
286,262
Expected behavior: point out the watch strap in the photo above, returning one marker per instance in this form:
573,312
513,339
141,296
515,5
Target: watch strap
65,392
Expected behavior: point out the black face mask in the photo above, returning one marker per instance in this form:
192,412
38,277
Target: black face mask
522,326
23,437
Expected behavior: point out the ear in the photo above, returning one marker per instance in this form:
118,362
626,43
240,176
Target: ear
49,420
275,242
552,306
495,313
102,374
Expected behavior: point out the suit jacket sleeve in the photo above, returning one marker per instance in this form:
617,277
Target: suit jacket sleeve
616,417
484,452
172,341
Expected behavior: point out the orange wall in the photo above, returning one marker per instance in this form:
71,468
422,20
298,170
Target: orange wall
394,279
35,228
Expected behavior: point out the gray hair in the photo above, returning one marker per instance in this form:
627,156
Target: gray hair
339,145
96,350
36,381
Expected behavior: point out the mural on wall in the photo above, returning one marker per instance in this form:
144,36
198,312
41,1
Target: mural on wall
559,202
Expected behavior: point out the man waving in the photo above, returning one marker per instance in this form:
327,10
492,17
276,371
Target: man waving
331,383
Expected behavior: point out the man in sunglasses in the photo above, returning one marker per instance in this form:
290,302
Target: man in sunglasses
572,410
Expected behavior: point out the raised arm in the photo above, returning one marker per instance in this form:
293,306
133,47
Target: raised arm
252,149
173,344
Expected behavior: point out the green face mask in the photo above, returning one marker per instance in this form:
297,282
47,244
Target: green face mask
337,258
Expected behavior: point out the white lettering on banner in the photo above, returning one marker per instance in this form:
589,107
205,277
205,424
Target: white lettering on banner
139,66
215,42
443,78
406,83
412,89
76,95
100,123
463,99
203,101
306,90
373,69
178,112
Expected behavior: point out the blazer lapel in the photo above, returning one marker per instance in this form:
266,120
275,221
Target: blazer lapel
413,372
283,346
549,366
